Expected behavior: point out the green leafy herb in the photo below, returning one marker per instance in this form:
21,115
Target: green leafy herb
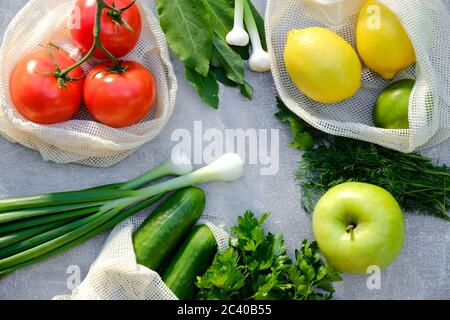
304,136
246,90
310,274
243,52
413,180
196,31
222,78
207,87
417,184
221,13
189,32
230,61
256,267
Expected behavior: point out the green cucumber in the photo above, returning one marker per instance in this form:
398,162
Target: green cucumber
168,225
192,259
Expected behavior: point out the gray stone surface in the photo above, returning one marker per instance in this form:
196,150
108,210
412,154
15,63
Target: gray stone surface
421,272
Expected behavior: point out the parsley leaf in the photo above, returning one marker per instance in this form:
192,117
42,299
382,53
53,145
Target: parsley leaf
224,278
256,267
304,136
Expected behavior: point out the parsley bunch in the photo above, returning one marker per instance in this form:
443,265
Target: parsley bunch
256,267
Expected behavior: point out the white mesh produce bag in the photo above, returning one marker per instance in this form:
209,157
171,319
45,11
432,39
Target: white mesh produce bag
115,274
82,139
427,23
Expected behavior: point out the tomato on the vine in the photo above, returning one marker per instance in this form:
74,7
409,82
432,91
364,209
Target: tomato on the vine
120,99
114,36
41,97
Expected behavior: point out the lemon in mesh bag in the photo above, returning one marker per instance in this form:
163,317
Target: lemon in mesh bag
427,25
382,42
322,64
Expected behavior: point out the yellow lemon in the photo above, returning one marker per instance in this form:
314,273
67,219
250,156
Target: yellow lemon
322,65
382,43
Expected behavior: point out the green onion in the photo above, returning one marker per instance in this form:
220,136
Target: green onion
34,228
27,223
62,198
179,165
73,231
108,225
35,212
51,234
18,236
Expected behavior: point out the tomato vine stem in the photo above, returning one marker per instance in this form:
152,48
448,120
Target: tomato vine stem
117,67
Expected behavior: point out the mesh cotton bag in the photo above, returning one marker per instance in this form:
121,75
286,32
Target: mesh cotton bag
115,275
82,140
427,23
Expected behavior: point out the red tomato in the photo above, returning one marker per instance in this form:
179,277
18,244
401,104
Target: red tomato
120,100
116,38
40,98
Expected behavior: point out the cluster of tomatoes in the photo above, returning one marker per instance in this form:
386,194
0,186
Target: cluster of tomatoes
117,95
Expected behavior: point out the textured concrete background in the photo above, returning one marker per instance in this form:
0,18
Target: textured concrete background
421,272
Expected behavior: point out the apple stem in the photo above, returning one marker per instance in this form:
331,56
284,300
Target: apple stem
350,229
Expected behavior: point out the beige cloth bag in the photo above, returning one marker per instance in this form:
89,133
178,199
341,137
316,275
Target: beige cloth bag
427,23
115,275
82,140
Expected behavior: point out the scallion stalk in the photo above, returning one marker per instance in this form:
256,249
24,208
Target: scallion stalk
39,246
28,223
35,212
104,227
62,198
18,236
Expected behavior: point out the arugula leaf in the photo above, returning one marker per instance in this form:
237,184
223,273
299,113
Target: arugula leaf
216,61
230,60
221,13
243,52
304,136
207,87
256,267
196,32
188,29
222,78
246,89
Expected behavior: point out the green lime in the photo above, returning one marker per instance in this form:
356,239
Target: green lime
391,108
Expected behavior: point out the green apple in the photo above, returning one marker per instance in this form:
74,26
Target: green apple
358,225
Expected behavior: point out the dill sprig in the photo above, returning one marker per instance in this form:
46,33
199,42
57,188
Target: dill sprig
417,184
